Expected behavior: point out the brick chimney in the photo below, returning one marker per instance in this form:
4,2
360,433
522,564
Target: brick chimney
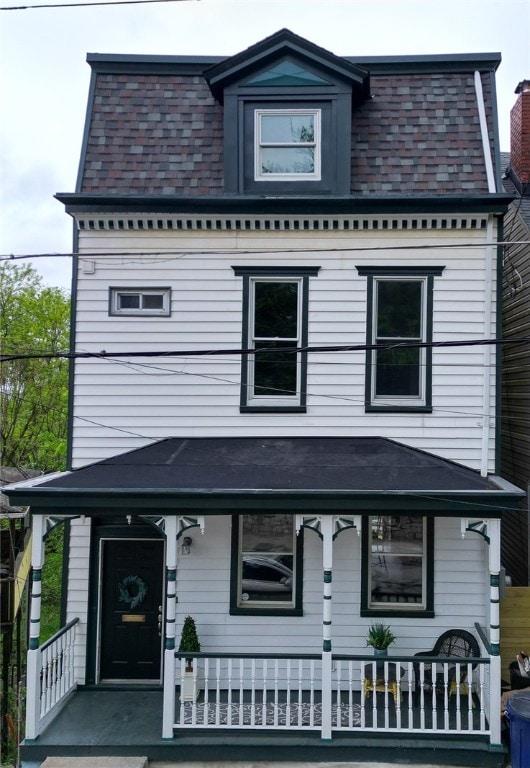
520,133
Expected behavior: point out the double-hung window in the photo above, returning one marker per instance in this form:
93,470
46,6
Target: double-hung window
275,331
266,565
399,331
397,565
287,144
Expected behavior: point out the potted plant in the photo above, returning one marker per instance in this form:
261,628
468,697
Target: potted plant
379,637
189,642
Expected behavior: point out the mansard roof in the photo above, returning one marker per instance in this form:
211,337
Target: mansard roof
154,127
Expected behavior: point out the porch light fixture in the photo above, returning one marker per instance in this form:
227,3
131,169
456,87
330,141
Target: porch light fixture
185,548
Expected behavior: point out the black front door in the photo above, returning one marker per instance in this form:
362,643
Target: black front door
131,600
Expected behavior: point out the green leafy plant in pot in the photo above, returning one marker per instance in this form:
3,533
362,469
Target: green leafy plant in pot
189,640
189,643
379,637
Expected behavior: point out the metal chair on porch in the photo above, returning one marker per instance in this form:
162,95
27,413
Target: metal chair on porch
453,643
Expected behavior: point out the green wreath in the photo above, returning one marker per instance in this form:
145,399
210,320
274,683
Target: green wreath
132,591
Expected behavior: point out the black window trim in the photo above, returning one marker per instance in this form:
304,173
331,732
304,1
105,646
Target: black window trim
249,273
276,610
378,611
374,273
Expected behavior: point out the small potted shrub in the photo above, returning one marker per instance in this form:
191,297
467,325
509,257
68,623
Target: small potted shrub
379,637
189,642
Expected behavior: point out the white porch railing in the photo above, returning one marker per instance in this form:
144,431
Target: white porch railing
53,665
397,693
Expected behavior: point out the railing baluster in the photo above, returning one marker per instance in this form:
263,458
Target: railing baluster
218,692
363,699
312,693
288,695
300,691
253,693
264,701
206,699
229,692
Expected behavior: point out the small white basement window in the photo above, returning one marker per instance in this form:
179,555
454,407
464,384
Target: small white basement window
140,301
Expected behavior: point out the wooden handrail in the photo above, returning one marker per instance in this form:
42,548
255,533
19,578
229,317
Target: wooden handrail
59,634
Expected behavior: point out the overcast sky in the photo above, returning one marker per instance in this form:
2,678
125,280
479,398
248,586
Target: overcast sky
44,77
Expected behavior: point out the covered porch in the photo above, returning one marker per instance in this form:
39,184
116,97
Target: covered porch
271,688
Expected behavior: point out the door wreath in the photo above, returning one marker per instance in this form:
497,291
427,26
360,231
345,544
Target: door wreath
132,591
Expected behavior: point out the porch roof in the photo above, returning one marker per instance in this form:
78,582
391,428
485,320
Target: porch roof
231,472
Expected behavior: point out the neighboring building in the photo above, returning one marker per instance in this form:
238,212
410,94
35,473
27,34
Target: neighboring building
516,324
270,245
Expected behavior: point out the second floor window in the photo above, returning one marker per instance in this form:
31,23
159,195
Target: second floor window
275,324
399,322
140,301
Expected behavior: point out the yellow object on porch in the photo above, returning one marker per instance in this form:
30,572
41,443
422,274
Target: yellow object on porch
380,685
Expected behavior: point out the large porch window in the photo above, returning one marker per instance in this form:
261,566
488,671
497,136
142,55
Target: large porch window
397,565
266,565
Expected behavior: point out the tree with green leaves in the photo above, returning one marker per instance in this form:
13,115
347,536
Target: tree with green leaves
34,318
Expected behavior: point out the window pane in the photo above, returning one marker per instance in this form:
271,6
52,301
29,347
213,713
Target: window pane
276,310
275,372
267,533
397,372
129,301
399,309
267,562
153,301
287,160
283,129
396,559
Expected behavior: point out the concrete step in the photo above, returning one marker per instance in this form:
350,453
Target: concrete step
280,764
95,762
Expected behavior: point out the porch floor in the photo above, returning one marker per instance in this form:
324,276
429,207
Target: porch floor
129,722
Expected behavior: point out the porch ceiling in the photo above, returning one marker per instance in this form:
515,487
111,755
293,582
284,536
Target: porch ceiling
210,470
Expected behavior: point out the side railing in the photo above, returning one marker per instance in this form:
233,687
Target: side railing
397,693
53,678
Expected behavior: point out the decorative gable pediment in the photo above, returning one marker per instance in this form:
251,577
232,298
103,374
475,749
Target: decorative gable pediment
287,60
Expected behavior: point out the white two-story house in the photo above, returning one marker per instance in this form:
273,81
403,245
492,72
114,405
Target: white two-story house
283,412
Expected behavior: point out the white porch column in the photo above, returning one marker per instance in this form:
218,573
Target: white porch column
494,535
327,564
34,654
168,711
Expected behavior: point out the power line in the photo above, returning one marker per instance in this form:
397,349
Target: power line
84,5
103,354
84,256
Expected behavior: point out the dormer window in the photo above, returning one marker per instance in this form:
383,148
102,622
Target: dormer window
288,107
287,144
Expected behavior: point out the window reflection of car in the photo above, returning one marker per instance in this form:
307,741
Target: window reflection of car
265,574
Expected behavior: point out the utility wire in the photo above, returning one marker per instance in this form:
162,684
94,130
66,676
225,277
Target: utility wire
85,256
265,350
87,4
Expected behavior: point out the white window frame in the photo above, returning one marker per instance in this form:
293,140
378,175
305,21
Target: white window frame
254,342
400,400
142,311
258,145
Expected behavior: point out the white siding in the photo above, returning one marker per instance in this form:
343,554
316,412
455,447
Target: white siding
78,584
203,587
124,404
